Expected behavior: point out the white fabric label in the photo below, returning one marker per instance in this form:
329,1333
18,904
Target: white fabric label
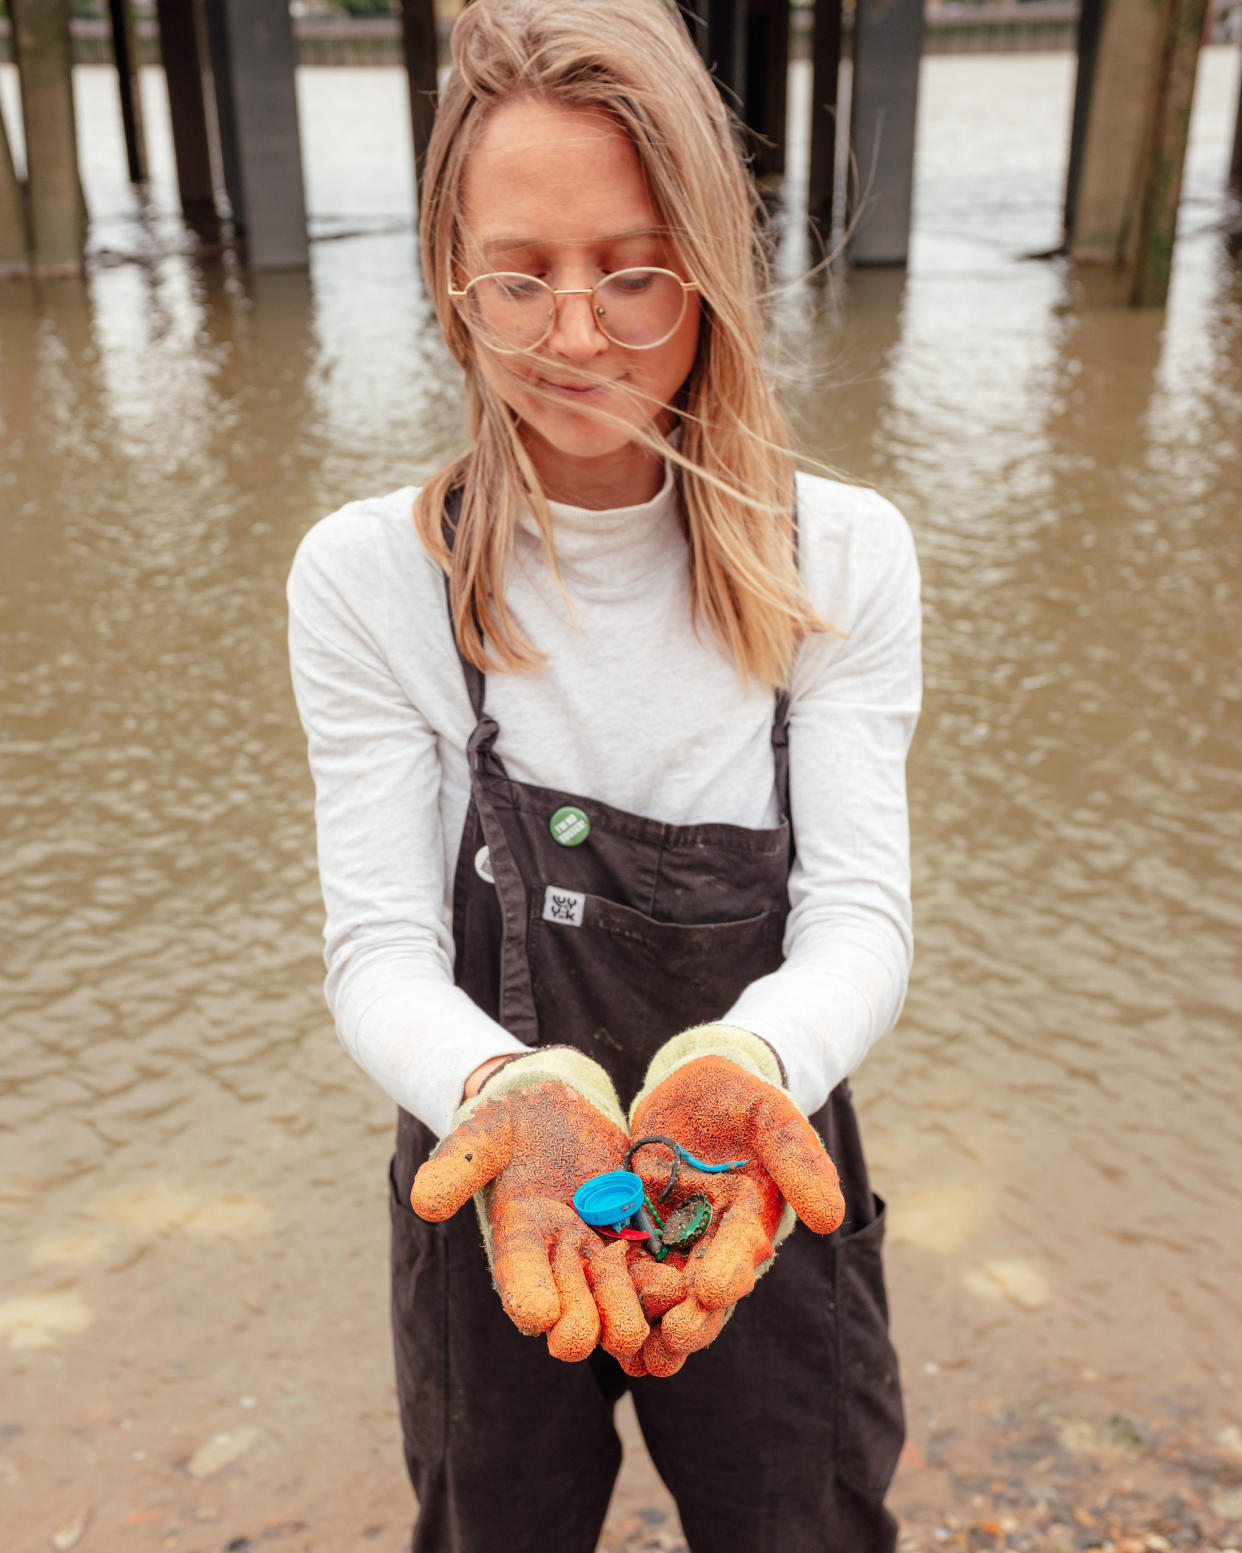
483,865
565,906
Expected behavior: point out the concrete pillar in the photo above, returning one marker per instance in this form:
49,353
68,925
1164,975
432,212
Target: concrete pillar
252,59
888,48
183,47
767,78
420,51
1134,99
14,238
825,74
56,207
125,52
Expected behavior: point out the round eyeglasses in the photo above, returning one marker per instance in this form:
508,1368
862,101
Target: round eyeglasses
636,308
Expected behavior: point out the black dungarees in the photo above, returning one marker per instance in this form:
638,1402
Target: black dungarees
783,1435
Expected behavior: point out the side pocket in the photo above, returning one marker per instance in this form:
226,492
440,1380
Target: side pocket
419,1307
870,1418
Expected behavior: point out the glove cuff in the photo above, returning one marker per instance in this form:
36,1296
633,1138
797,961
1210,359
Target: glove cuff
543,1065
739,1046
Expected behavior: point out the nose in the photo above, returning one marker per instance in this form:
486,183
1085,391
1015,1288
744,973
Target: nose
576,334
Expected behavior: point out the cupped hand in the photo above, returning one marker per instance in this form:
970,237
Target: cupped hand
526,1148
720,1112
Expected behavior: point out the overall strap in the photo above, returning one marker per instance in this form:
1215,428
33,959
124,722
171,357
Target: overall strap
780,717
474,677
780,749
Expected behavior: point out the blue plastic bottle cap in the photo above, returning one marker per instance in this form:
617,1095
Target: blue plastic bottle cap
610,1198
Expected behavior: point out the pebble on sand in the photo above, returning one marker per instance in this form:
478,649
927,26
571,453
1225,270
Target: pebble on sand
221,1451
1228,1505
70,1534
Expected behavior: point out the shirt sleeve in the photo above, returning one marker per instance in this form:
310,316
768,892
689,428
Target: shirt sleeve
388,944
854,704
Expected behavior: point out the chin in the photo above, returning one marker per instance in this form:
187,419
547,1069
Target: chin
579,437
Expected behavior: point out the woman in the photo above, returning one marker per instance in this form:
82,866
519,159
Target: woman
628,790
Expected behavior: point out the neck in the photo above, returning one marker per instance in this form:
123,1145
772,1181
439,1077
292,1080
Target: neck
625,478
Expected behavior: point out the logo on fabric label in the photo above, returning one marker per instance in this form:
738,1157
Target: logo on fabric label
483,864
565,906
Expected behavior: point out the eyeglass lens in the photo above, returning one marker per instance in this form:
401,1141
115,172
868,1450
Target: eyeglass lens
635,308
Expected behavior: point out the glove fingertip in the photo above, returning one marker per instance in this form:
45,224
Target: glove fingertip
659,1358
716,1288
816,1198
690,1326
573,1337
436,1194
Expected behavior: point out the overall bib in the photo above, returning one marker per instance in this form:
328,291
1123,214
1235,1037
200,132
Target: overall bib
782,1436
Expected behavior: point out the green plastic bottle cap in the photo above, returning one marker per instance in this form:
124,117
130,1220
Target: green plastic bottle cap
569,826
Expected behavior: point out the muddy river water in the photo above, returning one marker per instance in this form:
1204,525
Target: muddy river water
192,1300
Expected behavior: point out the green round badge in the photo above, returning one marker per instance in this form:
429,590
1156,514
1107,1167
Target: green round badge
569,826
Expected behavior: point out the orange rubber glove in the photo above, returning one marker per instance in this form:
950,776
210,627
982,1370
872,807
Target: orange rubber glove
538,1127
717,1091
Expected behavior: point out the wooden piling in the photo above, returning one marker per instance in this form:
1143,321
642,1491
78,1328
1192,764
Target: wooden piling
183,48
419,50
719,29
57,209
14,237
888,51
1153,260
825,74
1235,161
125,53
767,87
1132,119
252,58
1090,16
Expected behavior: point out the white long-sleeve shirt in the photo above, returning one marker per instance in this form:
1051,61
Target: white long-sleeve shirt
633,708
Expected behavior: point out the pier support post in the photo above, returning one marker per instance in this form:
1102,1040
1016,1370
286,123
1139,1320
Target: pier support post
888,49
183,49
14,238
420,51
719,30
252,58
56,206
1132,118
125,53
825,75
1235,161
1090,14
767,90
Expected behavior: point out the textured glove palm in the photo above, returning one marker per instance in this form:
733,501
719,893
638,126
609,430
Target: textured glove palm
716,1091
539,1127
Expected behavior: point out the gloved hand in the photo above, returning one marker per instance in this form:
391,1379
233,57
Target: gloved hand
538,1127
717,1091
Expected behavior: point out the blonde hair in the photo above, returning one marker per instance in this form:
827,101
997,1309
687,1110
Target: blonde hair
632,61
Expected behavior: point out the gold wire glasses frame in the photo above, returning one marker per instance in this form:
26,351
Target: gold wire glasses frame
637,308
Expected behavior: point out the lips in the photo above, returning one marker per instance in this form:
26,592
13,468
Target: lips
575,390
